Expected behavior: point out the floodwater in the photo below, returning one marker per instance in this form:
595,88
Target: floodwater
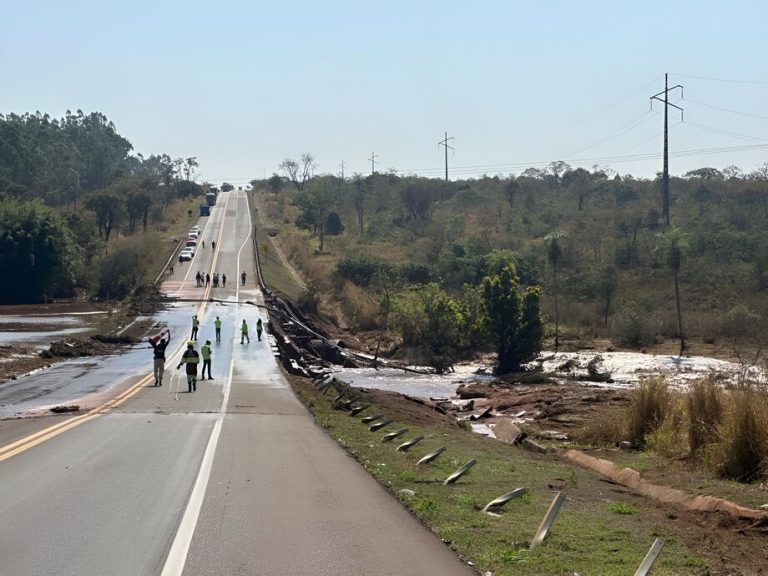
626,369
41,329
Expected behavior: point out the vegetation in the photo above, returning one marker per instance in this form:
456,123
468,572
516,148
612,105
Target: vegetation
593,240
69,188
588,536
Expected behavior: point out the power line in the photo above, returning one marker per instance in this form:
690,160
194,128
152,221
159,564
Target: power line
747,114
721,132
631,125
727,81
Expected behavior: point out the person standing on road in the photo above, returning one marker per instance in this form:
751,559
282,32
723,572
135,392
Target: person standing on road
213,244
217,324
207,278
223,280
195,326
191,358
244,332
259,329
159,344
242,277
206,353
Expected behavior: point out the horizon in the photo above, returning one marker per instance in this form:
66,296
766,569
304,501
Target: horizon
244,86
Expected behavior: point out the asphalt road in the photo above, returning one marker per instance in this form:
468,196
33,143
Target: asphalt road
232,479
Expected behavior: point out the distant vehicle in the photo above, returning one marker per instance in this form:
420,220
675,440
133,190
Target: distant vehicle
195,227
191,242
185,257
193,234
205,210
189,249
210,198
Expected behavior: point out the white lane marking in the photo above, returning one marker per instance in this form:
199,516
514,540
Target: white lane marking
177,556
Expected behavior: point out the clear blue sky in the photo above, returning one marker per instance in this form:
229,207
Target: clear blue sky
243,85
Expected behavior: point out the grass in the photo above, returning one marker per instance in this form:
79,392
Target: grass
586,537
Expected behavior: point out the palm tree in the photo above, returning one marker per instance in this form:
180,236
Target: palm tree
554,255
673,244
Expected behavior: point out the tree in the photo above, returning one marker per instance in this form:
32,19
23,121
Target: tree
607,283
298,172
514,321
359,201
320,197
554,256
673,244
333,225
431,320
275,183
37,252
557,169
109,208
511,189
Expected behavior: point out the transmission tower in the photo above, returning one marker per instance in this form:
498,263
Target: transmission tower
373,163
665,175
447,146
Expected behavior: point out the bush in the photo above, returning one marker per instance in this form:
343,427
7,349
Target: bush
121,271
650,404
632,327
360,270
741,452
705,412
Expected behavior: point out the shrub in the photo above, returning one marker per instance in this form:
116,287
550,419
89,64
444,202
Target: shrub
668,438
632,327
120,271
650,403
741,452
605,429
360,270
705,411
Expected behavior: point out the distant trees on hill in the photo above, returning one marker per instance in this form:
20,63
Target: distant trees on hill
81,167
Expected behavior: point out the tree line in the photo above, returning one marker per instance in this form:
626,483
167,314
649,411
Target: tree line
594,240
68,186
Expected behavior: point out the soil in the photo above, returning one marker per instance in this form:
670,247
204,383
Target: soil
730,545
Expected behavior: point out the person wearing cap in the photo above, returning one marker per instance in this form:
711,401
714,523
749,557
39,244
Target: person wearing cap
195,326
217,325
206,353
159,344
244,332
191,358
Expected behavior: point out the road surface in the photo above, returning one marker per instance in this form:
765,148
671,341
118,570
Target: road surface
233,479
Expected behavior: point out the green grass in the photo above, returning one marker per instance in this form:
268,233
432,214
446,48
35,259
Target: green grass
587,536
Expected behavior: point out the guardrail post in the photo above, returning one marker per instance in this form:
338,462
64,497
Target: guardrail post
650,558
460,472
431,456
549,518
498,503
405,446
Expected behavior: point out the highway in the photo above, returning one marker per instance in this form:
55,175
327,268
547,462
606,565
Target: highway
235,478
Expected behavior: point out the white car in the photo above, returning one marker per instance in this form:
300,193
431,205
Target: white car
195,228
193,234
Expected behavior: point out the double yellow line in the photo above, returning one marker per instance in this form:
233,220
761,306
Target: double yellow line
32,440
24,444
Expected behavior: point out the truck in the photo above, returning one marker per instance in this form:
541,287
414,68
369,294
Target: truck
205,210
210,199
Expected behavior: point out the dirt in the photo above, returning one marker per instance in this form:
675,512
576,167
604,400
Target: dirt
731,545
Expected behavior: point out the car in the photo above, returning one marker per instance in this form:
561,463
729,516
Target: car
189,250
191,242
185,256
195,228
193,234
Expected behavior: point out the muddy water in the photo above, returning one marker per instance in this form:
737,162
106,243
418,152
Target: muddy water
626,369
38,326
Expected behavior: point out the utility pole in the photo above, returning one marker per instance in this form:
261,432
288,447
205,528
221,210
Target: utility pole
342,170
447,147
665,174
373,163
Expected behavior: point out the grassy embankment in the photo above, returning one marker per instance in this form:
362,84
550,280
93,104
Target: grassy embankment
599,529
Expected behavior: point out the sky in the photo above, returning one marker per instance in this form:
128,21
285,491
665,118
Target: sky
516,84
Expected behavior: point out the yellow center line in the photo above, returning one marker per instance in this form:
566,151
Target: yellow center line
24,444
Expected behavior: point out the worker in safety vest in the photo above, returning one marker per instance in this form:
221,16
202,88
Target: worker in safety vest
206,352
191,358
217,325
